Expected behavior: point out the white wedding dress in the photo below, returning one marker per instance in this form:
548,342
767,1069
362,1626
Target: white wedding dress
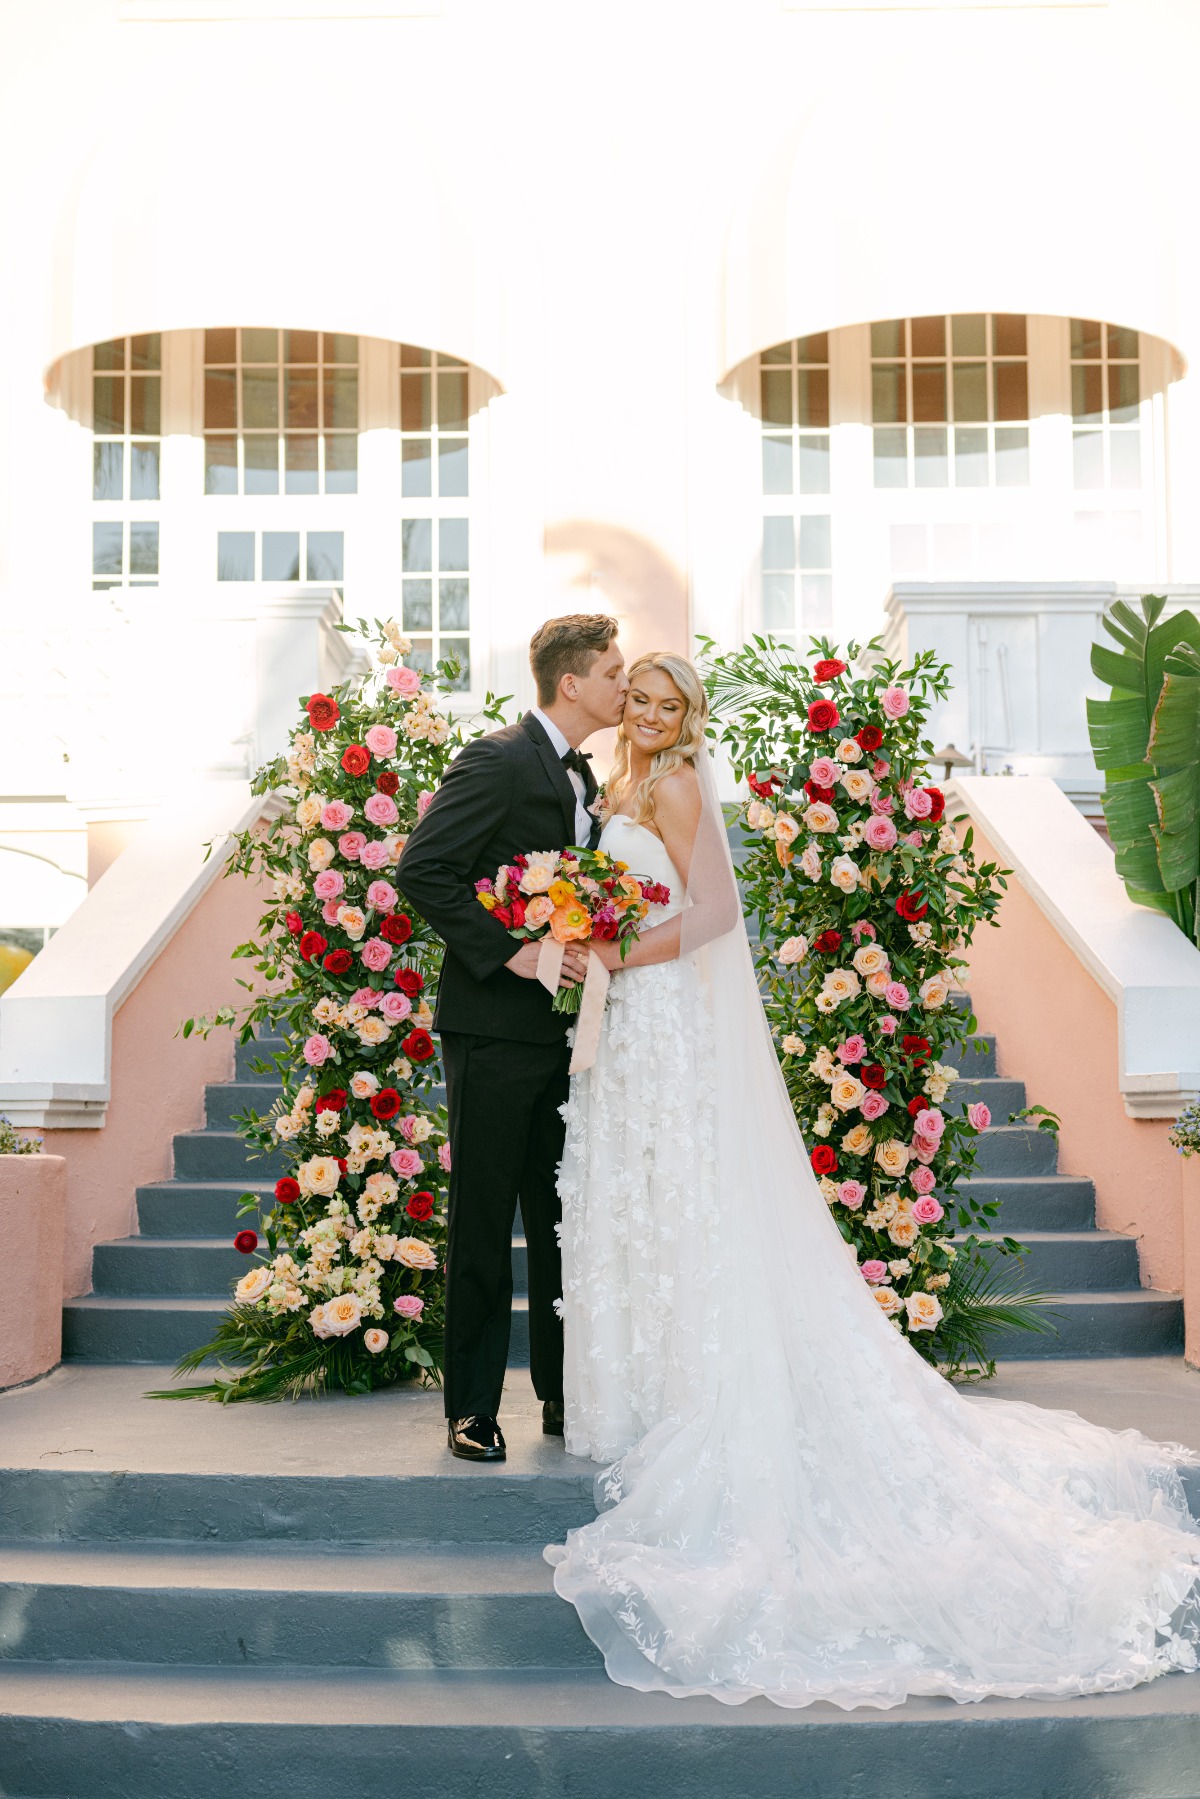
796,1504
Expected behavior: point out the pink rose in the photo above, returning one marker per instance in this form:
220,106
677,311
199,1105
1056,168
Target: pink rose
424,801
929,1123
926,1148
376,954
382,895
894,701
824,772
852,1050
879,768
381,809
879,833
395,1007
317,1050
913,839
406,1163
875,1272
351,845
918,803
927,1210
404,681
381,740
328,884
896,994
979,1116
407,1127
887,1025
862,928
336,815
923,1179
375,854
409,1305
852,1194
330,910
882,804
444,1156
366,996
873,1106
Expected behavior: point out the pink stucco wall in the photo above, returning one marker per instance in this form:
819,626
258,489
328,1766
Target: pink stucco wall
33,1192
157,1078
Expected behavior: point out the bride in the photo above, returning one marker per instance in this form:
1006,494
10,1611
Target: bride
794,1503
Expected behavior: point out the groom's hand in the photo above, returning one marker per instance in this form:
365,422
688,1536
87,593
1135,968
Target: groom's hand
525,963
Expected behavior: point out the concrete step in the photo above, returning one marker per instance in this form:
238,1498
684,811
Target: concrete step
222,1156
1012,1149
1046,1202
201,1265
1074,1261
262,1050
225,1099
977,1059
151,1733
1002,1098
1144,1322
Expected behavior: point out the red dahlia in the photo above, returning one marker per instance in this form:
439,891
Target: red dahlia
828,670
823,715
420,1206
873,1074
312,944
246,1241
396,928
869,738
355,759
827,942
287,1191
388,781
386,1103
911,907
418,1046
337,961
333,1101
823,1159
323,713
409,981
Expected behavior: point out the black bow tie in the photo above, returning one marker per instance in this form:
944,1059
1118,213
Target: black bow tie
578,760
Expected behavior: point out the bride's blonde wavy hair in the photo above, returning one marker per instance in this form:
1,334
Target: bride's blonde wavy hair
686,747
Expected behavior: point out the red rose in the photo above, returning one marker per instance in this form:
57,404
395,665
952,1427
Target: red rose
917,1104
418,1046
386,1103
355,759
873,1074
819,793
409,981
246,1241
396,928
287,1191
823,715
323,713
313,944
939,804
911,907
823,1159
337,961
827,942
333,1101
828,670
869,738
517,908
341,1162
604,930
388,782
504,915
294,922
763,785
914,1046
420,1206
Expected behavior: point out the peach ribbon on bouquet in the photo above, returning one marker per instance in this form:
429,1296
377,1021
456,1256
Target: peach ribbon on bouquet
591,1006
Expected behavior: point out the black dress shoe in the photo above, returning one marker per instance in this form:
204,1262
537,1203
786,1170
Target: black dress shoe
552,1417
475,1439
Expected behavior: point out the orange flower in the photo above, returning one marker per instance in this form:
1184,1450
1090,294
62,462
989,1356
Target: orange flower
628,885
562,893
570,924
539,909
784,855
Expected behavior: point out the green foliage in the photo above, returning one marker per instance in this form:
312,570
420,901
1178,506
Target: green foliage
14,1143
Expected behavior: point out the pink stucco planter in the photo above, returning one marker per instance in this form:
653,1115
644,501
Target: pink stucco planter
33,1204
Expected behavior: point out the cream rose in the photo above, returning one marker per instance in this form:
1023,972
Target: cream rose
858,784
252,1286
364,1084
857,1141
353,921
869,959
843,873
537,876
888,1301
414,1254
823,1064
793,1045
372,1031
759,817
846,1092
376,1341
843,983
848,750
892,1156
810,862
343,1314
320,1174
287,1127
316,1319
792,951
308,812
877,983
320,854
934,992
820,817
786,828
903,1230
924,1311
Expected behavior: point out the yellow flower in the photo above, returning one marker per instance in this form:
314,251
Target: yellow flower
562,893
487,901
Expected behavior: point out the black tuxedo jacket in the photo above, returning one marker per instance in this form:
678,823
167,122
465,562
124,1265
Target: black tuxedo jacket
503,794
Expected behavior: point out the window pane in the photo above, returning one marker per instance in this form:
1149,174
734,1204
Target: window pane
1088,452
452,467
341,463
281,556
220,346
814,464
929,392
450,362
1122,343
299,346
454,610
778,353
460,649
413,357
420,656
108,405
341,399
106,548
777,464
1125,459
341,346
143,549
814,348
887,337
888,403
452,400
415,402
259,345
299,463
220,400
110,355
812,397
970,391
146,352
300,399
970,457
968,334
928,336
1123,393
775,386
220,465
107,471
814,542
235,555
262,464
145,410
1008,334
1011,389
416,541
416,467
325,556
779,602
1085,339
779,543
932,463
143,472
453,540
816,602
260,399
891,458
1087,396
418,605
1012,456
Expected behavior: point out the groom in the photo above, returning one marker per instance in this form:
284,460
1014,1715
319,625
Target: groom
504,1050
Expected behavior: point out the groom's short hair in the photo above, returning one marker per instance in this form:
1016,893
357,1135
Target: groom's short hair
567,646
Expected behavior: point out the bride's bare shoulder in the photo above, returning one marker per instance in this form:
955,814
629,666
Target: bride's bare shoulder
677,798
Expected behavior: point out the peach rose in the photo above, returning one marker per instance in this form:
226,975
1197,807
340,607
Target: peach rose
846,1092
759,817
869,959
376,1341
372,1031
857,1141
320,854
934,992
848,750
414,1254
818,817
903,1230
843,984
539,910
793,951
888,1300
879,982
787,830
924,1311
252,1286
892,1156
858,784
843,872
537,877
343,1314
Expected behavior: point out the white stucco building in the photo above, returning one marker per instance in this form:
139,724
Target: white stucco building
724,316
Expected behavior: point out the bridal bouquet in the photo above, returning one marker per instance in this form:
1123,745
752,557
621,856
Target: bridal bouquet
570,896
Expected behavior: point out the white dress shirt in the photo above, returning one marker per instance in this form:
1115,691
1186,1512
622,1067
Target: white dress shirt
583,818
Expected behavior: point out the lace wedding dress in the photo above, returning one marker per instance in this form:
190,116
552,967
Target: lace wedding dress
796,1504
